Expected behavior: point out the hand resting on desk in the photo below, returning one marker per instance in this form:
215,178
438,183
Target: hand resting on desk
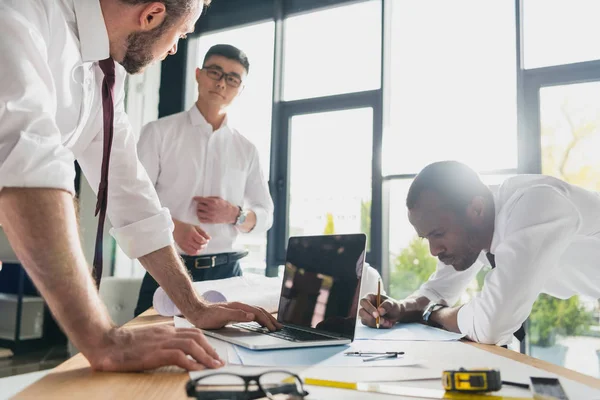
147,348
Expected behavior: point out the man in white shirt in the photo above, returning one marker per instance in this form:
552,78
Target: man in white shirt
207,174
539,234
58,87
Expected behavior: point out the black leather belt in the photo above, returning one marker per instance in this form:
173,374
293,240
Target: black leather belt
213,260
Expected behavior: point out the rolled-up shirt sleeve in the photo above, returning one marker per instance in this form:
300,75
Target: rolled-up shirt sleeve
31,149
528,251
140,224
257,197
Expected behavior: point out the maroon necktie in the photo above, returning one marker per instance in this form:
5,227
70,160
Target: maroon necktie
108,84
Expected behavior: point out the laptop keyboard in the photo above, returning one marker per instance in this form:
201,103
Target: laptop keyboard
292,335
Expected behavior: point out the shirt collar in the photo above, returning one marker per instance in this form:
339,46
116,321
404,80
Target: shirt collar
197,119
93,36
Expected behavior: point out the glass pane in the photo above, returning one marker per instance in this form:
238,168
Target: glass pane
560,32
330,172
250,114
565,332
410,261
452,90
325,53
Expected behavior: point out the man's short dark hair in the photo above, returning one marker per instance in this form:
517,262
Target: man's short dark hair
175,9
454,182
230,52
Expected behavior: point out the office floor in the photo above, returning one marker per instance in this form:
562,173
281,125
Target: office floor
33,361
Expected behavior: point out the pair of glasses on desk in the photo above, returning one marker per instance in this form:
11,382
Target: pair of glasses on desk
273,385
374,356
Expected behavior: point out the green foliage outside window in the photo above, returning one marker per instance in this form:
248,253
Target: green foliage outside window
411,268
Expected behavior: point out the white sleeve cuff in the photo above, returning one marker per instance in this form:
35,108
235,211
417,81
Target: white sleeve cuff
261,220
145,236
38,162
482,334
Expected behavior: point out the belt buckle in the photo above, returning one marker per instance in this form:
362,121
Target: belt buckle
213,261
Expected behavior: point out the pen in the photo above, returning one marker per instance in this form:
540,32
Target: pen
372,353
383,357
378,302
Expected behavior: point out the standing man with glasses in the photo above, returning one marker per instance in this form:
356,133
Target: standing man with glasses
207,174
64,64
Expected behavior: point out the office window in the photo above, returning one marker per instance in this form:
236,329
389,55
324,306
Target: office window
452,85
560,32
330,172
333,51
250,114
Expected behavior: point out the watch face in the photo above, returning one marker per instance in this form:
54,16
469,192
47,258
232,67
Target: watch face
241,218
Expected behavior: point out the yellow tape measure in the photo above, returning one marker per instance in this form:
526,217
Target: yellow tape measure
470,381
422,393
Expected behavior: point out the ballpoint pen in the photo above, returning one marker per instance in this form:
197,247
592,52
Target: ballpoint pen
384,356
378,302
372,353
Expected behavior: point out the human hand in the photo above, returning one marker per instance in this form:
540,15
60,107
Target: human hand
215,210
139,349
215,316
390,311
190,238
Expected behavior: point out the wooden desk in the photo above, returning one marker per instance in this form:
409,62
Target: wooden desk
74,379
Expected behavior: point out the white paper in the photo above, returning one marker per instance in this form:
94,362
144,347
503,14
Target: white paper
252,289
404,332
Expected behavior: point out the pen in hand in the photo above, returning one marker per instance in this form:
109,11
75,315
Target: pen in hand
378,302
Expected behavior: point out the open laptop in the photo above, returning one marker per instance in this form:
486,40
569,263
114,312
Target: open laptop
319,297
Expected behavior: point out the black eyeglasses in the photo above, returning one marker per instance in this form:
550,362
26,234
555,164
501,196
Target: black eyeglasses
278,384
216,75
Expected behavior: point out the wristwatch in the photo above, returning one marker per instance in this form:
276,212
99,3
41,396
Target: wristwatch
431,308
241,218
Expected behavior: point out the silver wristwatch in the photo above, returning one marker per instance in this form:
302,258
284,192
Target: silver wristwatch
431,308
241,218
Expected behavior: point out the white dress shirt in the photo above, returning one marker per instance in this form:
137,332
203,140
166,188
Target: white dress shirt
184,158
546,240
51,114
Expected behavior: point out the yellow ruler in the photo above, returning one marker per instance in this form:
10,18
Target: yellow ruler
386,388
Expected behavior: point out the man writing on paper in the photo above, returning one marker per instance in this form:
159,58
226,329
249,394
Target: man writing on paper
61,99
539,234
207,174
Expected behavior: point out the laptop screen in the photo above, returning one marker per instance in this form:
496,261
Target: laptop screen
321,282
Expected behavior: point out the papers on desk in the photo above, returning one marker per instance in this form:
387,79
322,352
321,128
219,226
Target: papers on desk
253,289
404,332
288,357
331,356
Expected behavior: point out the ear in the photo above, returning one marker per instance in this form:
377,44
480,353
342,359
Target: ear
152,16
198,71
476,210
